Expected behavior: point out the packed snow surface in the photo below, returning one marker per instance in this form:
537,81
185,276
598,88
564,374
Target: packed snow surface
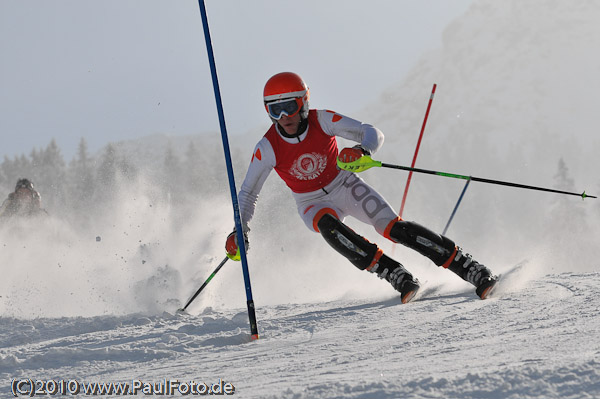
541,340
92,296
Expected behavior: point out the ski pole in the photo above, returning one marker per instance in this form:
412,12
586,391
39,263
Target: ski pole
366,162
412,165
205,284
462,194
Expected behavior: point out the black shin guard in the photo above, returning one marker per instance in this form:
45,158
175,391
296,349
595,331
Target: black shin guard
435,246
362,254
357,249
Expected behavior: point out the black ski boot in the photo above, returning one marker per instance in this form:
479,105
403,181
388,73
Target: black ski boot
402,281
474,272
486,287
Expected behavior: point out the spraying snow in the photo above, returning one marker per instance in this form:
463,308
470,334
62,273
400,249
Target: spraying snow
94,298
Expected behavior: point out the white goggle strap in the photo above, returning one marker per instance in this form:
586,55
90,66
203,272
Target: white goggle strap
285,96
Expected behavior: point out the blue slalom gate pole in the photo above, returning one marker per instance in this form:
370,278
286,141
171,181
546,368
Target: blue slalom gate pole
234,198
462,194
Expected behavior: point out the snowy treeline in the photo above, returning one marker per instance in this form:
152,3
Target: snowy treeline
72,190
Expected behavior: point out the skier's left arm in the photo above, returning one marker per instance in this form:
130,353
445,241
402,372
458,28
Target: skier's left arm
370,138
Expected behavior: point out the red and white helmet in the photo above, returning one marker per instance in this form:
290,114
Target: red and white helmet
280,89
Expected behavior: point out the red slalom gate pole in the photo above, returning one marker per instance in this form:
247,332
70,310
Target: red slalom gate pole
417,150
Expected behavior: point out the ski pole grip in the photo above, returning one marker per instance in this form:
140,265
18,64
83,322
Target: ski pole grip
360,165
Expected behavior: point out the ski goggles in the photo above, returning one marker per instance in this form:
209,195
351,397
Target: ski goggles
288,107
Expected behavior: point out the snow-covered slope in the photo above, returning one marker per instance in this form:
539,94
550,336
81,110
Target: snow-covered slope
540,341
518,86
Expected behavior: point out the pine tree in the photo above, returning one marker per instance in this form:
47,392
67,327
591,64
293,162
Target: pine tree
111,171
566,215
5,177
16,168
6,168
172,175
564,182
50,175
106,175
81,178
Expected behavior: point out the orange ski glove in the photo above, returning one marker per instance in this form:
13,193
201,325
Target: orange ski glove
348,155
231,245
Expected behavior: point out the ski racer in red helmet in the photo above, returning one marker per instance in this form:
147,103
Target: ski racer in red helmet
301,147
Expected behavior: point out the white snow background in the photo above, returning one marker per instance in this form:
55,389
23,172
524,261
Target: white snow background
518,91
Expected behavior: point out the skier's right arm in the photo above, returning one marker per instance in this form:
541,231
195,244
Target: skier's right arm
263,161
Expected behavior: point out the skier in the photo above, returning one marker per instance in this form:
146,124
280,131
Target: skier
302,148
24,201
